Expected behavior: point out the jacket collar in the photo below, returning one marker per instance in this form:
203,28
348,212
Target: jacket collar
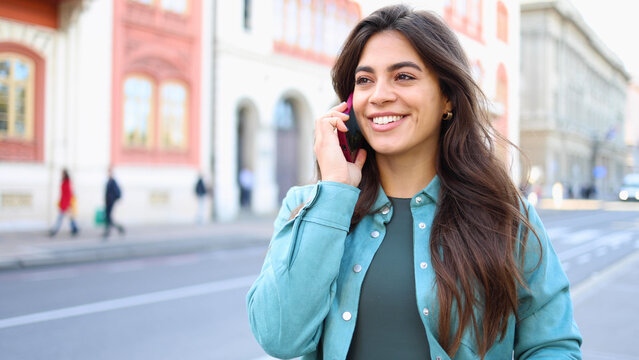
431,191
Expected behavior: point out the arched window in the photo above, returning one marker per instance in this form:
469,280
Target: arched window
292,30
501,96
17,78
176,6
148,116
318,26
22,73
173,115
278,20
478,73
502,22
313,29
138,111
306,25
465,16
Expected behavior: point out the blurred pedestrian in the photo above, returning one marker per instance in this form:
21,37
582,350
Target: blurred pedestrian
66,205
200,191
111,196
246,186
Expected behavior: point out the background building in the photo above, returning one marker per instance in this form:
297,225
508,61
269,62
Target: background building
573,95
85,84
632,128
272,63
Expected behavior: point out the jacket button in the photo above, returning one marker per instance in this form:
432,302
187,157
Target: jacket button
375,234
425,311
418,199
422,225
346,315
423,265
357,268
385,210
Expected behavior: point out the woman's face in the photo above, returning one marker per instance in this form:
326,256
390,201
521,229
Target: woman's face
397,99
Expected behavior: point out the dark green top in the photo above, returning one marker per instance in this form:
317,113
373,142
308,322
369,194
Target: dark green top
389,325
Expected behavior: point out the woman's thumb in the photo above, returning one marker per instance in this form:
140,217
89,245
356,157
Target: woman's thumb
360,159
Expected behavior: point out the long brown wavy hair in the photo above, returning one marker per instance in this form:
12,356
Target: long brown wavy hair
476,227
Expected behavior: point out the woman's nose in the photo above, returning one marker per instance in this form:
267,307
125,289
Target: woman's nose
383,93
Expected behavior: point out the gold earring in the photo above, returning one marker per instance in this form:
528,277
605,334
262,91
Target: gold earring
447,116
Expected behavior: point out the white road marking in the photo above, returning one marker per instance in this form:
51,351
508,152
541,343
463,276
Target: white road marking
613,239
583,236
126,302
584,258
557,232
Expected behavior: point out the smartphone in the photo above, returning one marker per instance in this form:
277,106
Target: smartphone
351,140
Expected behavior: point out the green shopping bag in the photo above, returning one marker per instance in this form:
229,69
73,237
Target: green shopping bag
100,216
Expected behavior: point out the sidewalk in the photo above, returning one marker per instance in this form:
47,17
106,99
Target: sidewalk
27,249
583,204
606,311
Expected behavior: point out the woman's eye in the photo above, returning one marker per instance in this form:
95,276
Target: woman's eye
405,77
361,81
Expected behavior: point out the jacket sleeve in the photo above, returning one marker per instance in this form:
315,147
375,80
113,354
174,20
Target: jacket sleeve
546,328
291,297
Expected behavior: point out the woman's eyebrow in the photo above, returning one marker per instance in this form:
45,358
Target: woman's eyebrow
390,68
402,64
364,68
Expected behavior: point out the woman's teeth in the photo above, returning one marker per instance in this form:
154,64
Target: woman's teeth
385,119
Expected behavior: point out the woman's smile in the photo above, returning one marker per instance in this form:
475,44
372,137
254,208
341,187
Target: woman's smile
386,121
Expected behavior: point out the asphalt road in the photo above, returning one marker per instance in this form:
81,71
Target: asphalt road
175,307
193,306
588,242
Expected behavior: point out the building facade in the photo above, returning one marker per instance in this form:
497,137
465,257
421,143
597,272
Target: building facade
272,62
632,127
573,96
88,84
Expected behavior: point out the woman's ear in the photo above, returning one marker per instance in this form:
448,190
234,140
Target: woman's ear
448,106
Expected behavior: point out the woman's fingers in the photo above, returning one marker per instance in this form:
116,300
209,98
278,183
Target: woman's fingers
331,161
341,107
332,121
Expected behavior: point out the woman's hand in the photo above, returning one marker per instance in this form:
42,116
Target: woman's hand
333,166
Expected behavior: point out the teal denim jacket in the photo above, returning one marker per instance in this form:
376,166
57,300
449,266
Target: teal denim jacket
310,282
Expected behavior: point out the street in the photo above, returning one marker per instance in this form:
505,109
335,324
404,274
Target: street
192,306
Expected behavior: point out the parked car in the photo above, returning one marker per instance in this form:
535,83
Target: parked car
630,188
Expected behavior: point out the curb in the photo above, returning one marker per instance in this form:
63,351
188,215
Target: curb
34,250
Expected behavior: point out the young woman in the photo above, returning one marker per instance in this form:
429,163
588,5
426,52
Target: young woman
423,247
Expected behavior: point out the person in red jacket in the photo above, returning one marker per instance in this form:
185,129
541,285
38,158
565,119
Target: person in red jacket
66,205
